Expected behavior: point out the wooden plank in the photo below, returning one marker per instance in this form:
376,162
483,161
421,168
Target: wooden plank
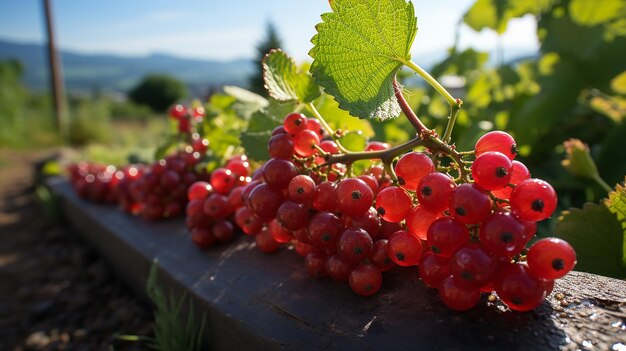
256,301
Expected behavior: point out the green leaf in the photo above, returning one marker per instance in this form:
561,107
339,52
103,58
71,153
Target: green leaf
285,82
591,13
596,235
616,203
246,102
354,140
358,49
255,144
495,14
487,14
618,84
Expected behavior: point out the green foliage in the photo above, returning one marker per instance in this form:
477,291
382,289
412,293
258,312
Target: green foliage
169,333
129,110
375,34
283,80
598,234
270,42
158,91
616,203
89,122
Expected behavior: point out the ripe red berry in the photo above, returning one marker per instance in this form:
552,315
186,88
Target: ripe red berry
518,289
445,236
412,167
457,297
315,262
325,229
292,215
305,141
471,267
281,146
551,258
492,170
265,242
433,269
380,257
277,173
355,245
199,191
302,188
502,235
338,269
404,248
433,191
469,204
354,197
533,200
419,220
497,141
365,279
393,204
294,123
222,180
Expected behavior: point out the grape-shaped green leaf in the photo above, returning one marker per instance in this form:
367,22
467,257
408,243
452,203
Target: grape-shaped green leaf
596,235
283,80
358,49
617,205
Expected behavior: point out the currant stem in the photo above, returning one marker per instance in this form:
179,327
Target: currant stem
602,183
326,127
408,112
454,111
432,81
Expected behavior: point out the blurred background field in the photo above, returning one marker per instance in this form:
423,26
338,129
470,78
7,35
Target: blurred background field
544,70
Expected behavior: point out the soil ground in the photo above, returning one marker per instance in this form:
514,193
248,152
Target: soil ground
56,293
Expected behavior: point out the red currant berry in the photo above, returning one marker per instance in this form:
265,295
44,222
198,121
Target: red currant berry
492,170
533,200
433,191
404,248
497,141
419,220
457,297
471,267
551,258
393,204
338,269
355,245
433,269
294,123
365,279
411,168
354,197
445,236
502,235
305,142
518,289
469,204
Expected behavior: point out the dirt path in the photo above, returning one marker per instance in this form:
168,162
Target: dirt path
56,293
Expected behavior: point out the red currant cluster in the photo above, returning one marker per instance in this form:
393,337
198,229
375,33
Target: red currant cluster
467,237
186,117
128,176
162,190
475,233
95,182
212,205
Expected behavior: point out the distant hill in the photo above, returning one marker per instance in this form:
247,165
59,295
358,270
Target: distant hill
88,73
85,72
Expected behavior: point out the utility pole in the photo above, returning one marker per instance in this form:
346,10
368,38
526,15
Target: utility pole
56,75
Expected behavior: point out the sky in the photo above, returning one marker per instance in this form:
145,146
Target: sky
224,30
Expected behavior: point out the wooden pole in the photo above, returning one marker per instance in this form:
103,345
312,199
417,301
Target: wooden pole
56,75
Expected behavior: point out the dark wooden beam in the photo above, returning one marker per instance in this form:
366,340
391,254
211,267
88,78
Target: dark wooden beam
255,301
56,74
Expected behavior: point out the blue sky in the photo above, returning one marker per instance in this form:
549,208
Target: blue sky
222,29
